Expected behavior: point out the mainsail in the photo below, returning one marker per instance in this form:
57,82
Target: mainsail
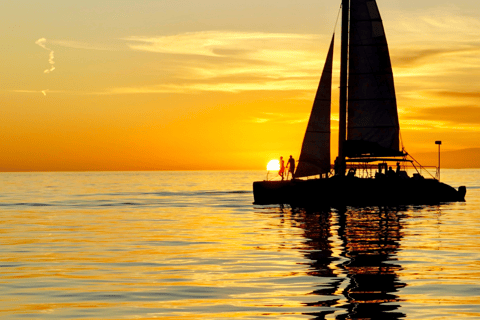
373,127
315,155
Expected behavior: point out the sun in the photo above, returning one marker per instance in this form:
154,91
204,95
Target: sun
273,165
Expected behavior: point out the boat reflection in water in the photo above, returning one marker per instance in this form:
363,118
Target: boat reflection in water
371,239
363,269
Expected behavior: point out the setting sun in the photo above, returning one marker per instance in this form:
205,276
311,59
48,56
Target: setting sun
273,165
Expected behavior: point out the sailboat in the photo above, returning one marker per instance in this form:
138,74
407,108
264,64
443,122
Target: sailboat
369,131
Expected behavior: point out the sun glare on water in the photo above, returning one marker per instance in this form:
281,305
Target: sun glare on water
273,165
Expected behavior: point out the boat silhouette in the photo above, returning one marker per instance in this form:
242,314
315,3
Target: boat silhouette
369,131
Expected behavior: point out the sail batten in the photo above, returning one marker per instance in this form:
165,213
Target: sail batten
315,154
372,108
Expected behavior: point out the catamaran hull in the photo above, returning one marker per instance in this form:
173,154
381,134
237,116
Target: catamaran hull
338,191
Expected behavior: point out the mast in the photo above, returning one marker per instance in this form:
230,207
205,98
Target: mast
342,129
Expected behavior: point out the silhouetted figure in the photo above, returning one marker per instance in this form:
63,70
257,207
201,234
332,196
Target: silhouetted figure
282,167
390,173
398,168
291,166
382,171
351,172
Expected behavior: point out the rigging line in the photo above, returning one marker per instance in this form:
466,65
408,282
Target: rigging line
421,167
338,16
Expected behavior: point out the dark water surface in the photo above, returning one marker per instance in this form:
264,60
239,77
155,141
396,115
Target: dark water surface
191,245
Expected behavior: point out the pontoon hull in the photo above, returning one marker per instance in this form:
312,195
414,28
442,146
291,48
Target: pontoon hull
338,191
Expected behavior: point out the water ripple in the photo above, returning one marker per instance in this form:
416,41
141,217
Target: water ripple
192,245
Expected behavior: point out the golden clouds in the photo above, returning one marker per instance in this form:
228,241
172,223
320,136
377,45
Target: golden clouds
282,118
232,61
457,116
434,45
227,97
222,43
436,64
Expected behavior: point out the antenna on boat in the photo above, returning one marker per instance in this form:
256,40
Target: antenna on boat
438,168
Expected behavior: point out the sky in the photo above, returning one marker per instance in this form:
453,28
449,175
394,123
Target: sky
213,84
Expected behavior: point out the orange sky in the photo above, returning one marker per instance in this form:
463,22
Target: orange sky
146,85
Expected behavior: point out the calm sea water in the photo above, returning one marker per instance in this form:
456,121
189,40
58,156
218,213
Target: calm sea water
191,245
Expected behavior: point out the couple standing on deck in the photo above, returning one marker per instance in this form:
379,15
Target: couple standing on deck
290,166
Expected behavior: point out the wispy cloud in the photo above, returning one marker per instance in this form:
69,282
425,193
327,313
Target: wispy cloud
224,43
440,41
441,24
280,118
460,95
427,54
41,42
233,61
233,87
423,45
436,62
44,92
112,46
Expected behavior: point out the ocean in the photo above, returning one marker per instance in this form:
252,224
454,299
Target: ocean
191,245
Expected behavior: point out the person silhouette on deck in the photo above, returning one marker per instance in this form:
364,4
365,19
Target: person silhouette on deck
291,166
390,172
336,166
282,167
